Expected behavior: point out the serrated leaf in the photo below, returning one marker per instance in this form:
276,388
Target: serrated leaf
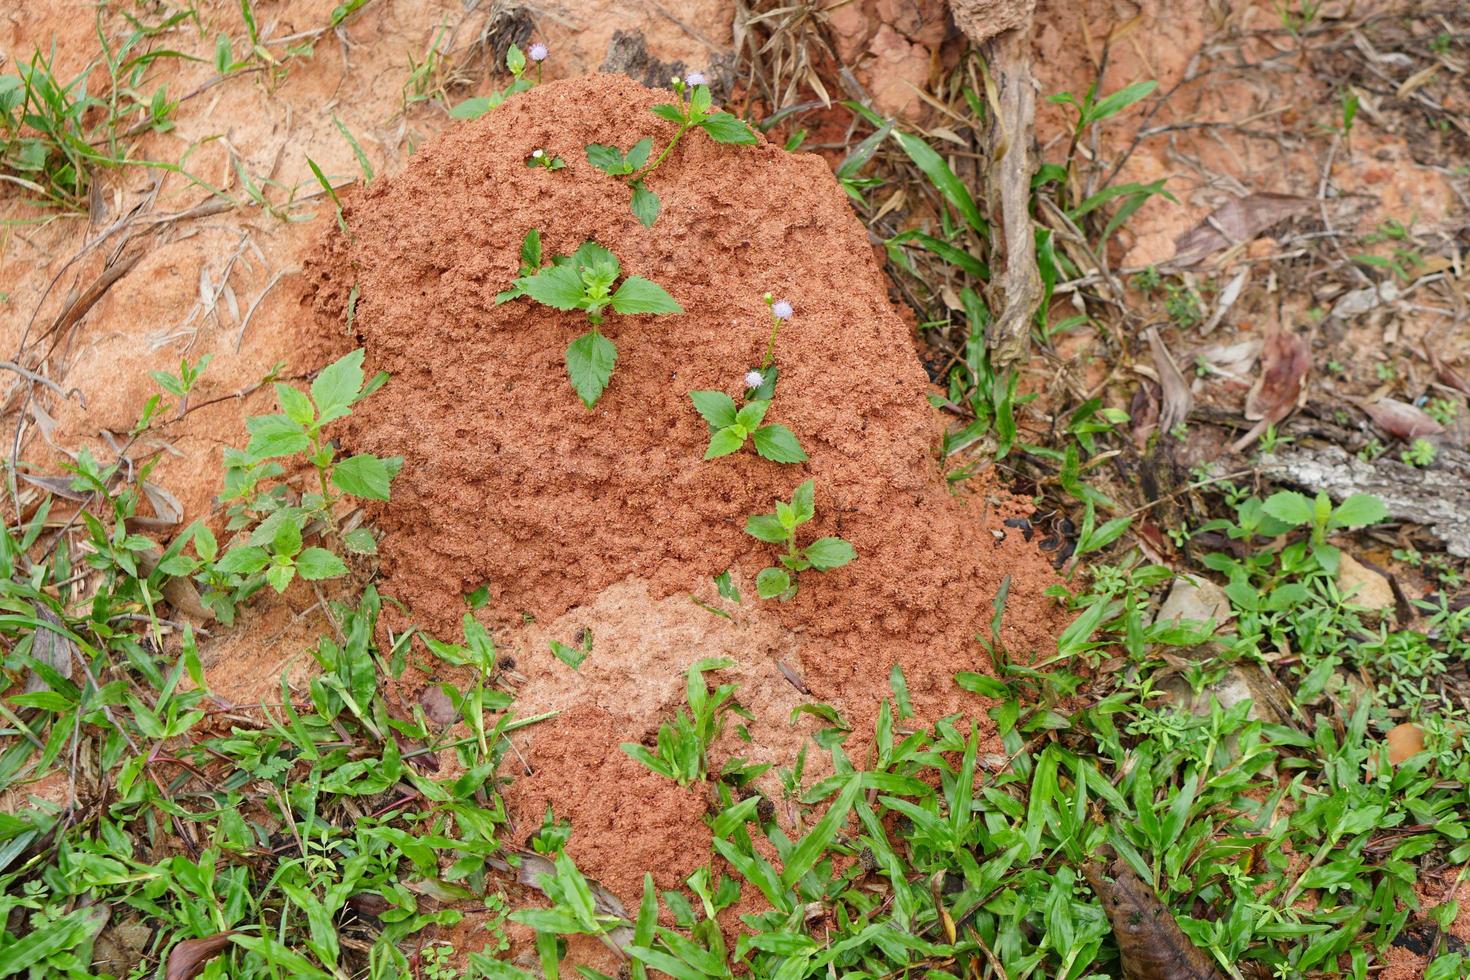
531,249
315,564
557,286
725,441
715,407
1289,507
360,541
287,539
772,582
803,502
778,444
638,154
766,528
275,435
295,404
592,255
699,100
645,204
337,386
826,554
243,561
608,159
590,360
280,576
639,295
366,476
669,111
472,108
1359,510
725,128
752,413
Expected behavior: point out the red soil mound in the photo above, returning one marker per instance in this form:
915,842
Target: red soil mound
510,480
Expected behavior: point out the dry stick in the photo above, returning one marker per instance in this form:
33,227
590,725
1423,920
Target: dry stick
1012,98
39,379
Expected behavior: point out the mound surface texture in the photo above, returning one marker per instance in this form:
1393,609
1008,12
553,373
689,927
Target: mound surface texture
607,519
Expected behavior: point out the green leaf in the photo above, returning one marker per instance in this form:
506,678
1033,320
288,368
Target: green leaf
473,108
808,851
515,59
245,560
557,286
314,564
1289,507
366,476
287,539
275,435
531,249
638,295
360,541
725,441
803,501
590,360
725,128
571,656
337,386
766,527
1113,104
1358,510
608,159
751,415
669,111
943,178
778,444
699,100
295,404
715,407
638,155
772,582
826,554
982,684
280,575
645,204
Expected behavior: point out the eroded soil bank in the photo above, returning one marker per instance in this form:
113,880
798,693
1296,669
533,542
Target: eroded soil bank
607,520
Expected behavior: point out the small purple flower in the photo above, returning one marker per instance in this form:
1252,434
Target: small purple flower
538,52
781,309
754,379
694,78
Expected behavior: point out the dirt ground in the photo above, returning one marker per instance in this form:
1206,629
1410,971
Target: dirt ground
510,482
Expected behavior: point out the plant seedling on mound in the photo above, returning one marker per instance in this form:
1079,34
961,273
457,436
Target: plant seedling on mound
692,111
683,743
823,554
584,281
760,382
731,427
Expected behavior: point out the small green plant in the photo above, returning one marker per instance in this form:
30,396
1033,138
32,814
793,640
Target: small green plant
584,281
1421,452
730,428
691,111
516,63
1443,410
824,554
540,158
1294,509
274,552
682,749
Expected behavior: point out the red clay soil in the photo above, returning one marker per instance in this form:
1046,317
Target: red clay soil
509,480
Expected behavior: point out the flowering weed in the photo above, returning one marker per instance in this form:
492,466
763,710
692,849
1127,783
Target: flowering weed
584,281
691,111
731,427
824,554
515,63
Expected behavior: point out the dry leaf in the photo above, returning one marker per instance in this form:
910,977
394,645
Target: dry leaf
1235,221
51,648
1400,419
1150,942
1285,361
179,591
1447,375
59,486
1177,398
188,959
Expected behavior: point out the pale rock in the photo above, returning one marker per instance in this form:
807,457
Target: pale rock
1362,586
1197,599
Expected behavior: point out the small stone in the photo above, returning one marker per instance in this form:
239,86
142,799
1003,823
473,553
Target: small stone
1404,741
1196,599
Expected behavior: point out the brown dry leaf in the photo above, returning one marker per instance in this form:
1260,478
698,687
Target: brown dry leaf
59,486
50,648
1285,361
188,959
1177,397
179,591
1400,419
1235,221
1150,942
1447,375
